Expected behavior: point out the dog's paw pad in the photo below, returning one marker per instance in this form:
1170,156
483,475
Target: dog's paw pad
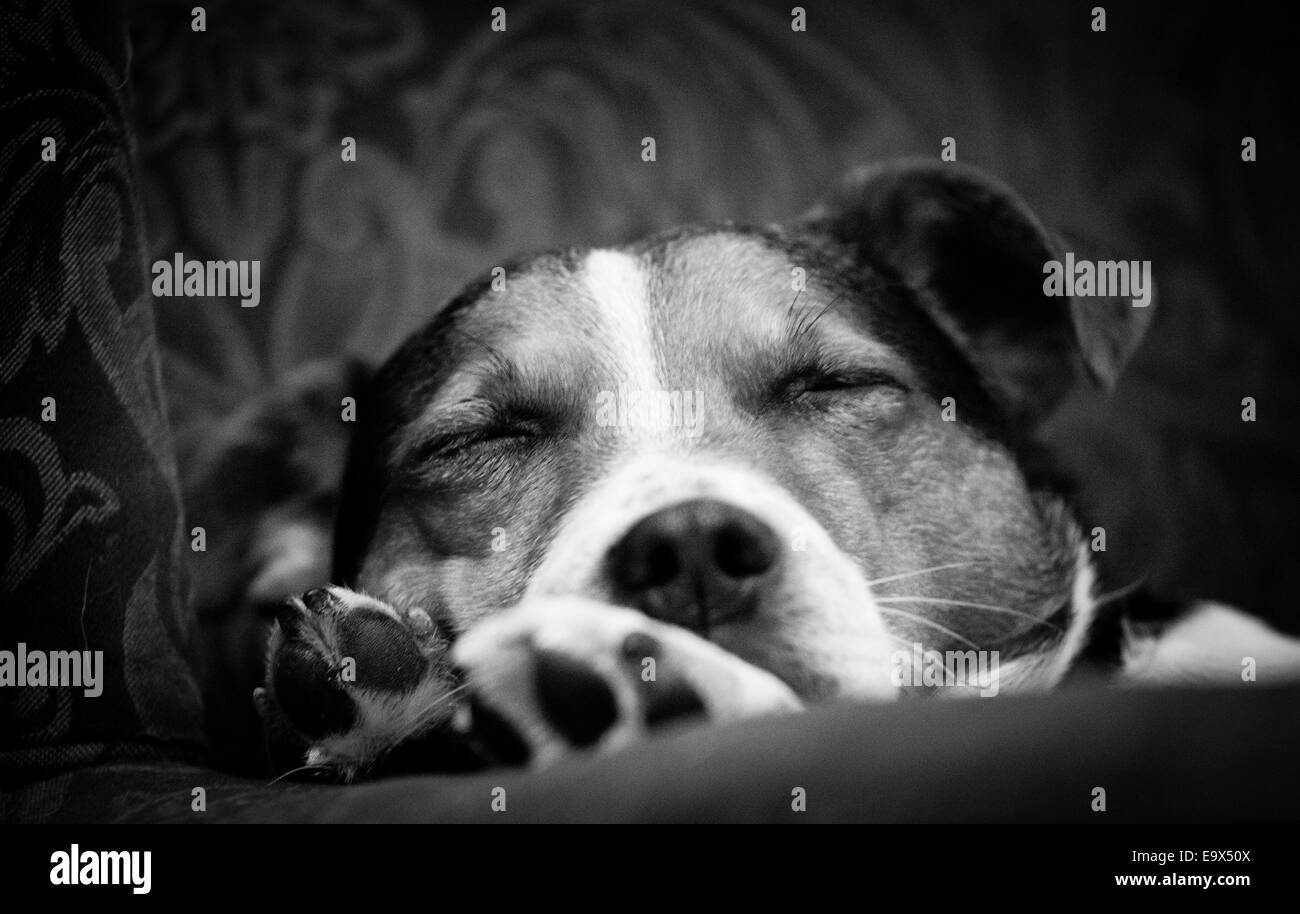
576,699
671,702
640,645
307,688
565,675
354,676
383,650
319,599
495,738
665,698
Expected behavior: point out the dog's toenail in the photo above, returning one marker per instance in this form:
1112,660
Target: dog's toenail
419,621
318,599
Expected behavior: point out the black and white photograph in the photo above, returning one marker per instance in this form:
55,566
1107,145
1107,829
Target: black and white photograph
631,412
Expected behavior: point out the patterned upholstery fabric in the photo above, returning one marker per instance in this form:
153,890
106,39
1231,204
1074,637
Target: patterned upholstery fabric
89,517
475,146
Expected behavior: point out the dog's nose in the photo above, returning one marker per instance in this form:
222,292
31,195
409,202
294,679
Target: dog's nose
698,563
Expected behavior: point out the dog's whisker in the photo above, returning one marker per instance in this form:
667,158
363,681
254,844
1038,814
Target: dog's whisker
300,768
930,622
911,644
919,571
1120,593
418,723
807,327
794,301
985,607
433,710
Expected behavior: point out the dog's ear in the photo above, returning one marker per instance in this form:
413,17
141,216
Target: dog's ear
974,256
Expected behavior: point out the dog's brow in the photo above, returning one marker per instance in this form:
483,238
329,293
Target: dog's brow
463,410
459,391
443,412
802,320
846,344
494,361
806,320
463,399
485,388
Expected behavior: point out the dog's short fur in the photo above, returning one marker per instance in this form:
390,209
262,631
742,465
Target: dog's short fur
857,473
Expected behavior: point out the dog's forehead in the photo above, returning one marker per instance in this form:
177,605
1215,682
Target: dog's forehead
654,316
725,299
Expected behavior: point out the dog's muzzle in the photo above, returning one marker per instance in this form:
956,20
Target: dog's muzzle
720,550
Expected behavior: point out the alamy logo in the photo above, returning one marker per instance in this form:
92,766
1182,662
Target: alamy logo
951,669
208,279
675,411
78,669
1107,278
78,867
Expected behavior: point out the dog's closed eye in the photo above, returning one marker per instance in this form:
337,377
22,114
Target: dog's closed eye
456,443
469,450
468,447
819,380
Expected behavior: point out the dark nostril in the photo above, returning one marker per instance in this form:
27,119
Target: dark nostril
694,563
744,549
660,565
646,560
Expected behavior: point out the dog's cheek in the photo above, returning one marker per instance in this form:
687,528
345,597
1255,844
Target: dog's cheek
454,559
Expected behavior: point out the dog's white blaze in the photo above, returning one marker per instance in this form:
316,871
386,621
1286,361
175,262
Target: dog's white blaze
618,285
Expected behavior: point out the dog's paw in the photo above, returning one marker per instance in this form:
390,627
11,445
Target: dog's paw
354,677
566,674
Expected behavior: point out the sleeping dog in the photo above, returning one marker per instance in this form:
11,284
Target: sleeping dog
721,473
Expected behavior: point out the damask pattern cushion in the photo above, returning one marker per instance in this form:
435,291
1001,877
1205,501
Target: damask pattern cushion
474,146
90,526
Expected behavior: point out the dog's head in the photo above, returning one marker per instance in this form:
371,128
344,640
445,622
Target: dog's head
808,442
